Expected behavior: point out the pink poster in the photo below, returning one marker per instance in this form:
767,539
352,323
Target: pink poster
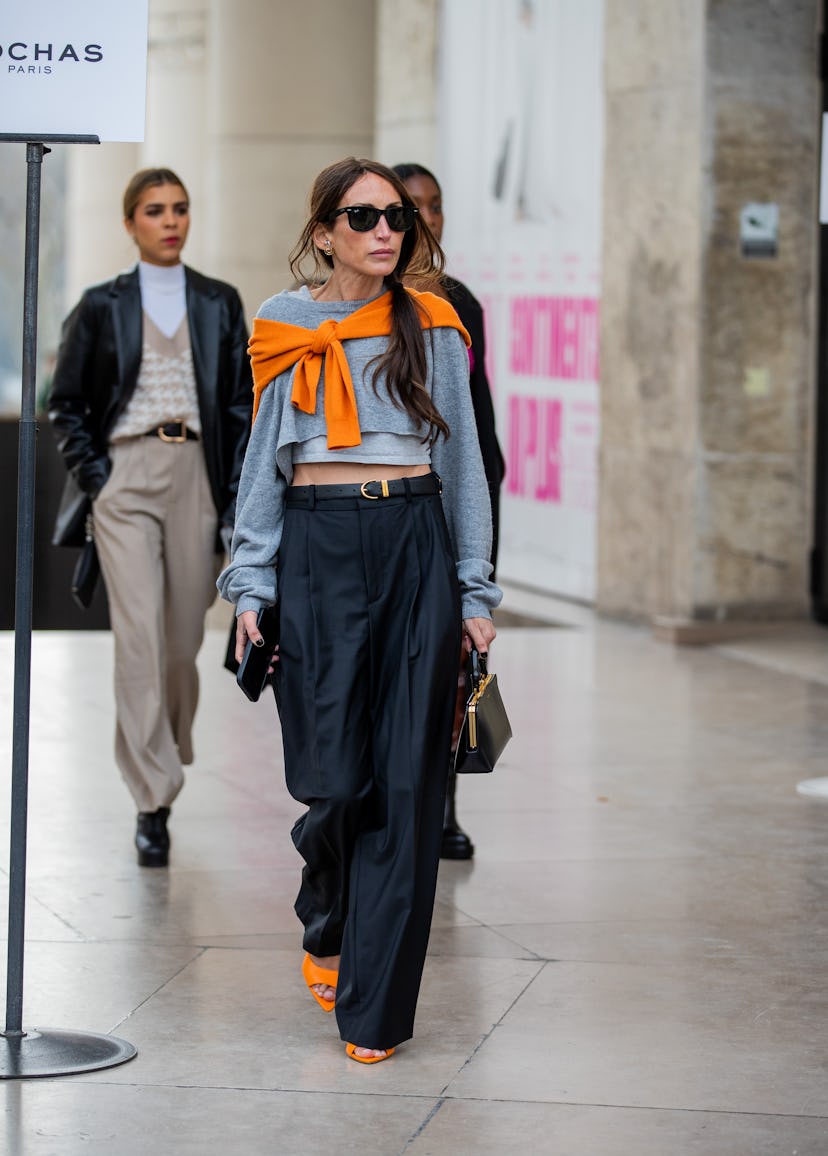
521,140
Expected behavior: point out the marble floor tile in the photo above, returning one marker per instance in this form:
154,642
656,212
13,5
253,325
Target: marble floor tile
776,942
799,648
705,1036
172,906
41,922
632,963
60,1119
495,1129
590,890
233,1018
618,825
93,987
475,941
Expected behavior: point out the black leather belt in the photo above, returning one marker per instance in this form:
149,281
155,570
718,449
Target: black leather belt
372,491
173,431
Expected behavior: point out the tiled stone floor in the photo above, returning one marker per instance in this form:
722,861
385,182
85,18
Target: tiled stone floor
634,964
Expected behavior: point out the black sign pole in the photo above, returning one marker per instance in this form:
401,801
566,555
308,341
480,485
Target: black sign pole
47,1051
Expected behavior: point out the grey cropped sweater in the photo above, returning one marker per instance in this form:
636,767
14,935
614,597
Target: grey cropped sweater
250,579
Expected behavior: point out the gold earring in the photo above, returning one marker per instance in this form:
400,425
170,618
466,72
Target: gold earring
328,247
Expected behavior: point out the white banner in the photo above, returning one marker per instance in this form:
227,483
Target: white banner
73,69
521,164
823,173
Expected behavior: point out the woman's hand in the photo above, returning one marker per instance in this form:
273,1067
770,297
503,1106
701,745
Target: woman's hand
246,627
478,633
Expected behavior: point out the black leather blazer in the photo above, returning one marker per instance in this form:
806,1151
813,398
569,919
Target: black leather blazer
97,369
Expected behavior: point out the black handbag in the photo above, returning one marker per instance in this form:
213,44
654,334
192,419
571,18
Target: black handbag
70,523
87,570
486,730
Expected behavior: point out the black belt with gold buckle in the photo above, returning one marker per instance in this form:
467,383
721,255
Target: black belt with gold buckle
173,431
374,490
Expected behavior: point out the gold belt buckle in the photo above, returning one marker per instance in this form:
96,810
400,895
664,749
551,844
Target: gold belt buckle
375,497
177,440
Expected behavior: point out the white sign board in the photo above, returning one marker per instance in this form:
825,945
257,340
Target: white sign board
521,164
77,69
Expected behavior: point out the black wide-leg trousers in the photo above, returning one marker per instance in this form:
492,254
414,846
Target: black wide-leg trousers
370,629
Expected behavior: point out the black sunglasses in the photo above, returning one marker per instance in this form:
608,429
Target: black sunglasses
363,218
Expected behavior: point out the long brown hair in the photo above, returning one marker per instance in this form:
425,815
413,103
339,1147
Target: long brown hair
148,179
404,363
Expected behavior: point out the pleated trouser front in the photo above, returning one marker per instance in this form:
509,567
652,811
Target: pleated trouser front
369,633
155,529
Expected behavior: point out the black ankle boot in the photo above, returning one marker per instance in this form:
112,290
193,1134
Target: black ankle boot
456,843
152,839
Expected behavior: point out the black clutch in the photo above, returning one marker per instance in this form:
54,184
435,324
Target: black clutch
87,570
253,671
486,729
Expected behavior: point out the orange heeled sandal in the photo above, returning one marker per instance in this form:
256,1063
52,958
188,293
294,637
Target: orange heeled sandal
350,1050
312,973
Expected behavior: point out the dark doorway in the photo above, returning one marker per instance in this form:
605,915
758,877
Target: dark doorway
52,607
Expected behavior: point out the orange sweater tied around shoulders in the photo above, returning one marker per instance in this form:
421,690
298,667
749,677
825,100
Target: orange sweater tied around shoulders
275,346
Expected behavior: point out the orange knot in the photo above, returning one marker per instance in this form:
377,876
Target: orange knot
323,336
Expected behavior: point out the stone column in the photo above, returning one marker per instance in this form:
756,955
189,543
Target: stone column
291,89
97,245
407,81
176,135
707,353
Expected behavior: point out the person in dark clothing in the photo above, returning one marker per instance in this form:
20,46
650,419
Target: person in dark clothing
424,189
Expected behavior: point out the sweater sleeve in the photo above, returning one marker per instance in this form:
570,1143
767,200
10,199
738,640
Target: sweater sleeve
459,463
249,580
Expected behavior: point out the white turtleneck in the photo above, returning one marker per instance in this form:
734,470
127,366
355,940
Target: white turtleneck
163,295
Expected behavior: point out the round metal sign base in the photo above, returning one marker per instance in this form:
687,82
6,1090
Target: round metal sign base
50,1052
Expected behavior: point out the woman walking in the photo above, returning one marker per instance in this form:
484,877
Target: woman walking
363,517
151,402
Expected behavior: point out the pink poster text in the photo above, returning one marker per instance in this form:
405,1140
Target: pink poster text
555,337
534,448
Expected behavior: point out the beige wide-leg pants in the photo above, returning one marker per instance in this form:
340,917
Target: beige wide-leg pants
155,529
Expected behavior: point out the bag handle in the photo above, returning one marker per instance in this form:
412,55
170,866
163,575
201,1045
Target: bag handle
479,667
